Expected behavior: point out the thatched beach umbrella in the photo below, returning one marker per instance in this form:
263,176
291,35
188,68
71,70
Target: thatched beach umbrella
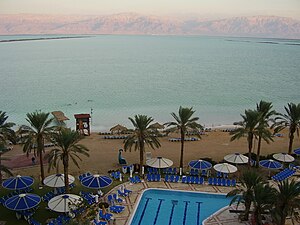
118,128
157,126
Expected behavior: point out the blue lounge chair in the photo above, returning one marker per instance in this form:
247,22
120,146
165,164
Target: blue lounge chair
176,179
148,177
233,182
128,192
192,181
167,178
172,178
210,181
215,181
117,199
188,180
228,183
123,194
106,216
116,208
100,222
196,180
201,180
183,180
32,221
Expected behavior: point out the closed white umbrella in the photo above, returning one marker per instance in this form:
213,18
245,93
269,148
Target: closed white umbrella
159,162
236,158
283,157
64,202
225,168
57,180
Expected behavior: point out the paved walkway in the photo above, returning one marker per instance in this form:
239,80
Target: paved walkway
221,218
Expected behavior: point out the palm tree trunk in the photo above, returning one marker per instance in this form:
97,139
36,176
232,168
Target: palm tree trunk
40,146
291,136
182,146
66,173
247,210
142,148
250,143
258,151
0,171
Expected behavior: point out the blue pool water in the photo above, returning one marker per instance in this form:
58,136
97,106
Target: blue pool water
165,207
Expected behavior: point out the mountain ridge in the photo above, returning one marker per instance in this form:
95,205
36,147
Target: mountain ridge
133,23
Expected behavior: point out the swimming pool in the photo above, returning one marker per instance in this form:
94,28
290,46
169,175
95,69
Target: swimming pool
169,207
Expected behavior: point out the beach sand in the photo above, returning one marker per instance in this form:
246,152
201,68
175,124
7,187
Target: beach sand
104,152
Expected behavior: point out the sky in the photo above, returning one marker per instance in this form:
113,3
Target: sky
205,8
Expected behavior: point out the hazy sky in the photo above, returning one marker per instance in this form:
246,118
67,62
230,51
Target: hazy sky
208,8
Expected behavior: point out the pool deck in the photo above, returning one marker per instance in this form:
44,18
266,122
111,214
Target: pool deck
223,217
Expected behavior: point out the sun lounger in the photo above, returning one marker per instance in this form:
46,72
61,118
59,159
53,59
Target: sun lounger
167,178
117,199
106,216
177,179
100,222
128,192
183,180
116,208
233,182
172,178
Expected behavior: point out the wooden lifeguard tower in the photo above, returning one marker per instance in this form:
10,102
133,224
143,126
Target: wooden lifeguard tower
83,123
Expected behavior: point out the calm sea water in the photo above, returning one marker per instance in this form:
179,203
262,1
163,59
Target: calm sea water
119,76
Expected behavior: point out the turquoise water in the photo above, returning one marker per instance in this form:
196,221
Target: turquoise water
119,76
164,207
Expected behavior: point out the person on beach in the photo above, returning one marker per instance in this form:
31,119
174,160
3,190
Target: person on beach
33,160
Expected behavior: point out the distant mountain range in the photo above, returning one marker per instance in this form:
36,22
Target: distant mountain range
131,23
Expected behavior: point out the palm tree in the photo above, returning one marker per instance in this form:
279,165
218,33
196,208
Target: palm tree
6,134
142,134
34,136
291,119
248,128
287,200
184,121
265,110
67,148
245,192
262,201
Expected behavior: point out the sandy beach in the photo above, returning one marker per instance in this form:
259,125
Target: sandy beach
104,152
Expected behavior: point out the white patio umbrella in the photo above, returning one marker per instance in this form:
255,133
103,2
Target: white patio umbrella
57,180
159,162
236,158
64,202
283,157
225,168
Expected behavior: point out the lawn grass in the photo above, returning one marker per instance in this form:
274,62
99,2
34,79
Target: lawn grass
42,214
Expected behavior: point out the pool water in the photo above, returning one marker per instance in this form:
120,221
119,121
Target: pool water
166,207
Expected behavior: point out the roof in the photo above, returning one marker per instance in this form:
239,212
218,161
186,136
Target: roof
82,116
59,115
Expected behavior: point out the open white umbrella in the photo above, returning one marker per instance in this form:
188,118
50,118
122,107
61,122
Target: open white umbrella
236,158
64,202
159,162
283,157
57,180
225,168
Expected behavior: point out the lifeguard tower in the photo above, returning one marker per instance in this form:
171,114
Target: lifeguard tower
83,123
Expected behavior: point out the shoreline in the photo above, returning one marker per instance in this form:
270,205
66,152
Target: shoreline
42,39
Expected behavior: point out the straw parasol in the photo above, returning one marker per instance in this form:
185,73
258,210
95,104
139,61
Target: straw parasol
283,157
225,168
118,128
59,116
159,162
157,126
236,158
